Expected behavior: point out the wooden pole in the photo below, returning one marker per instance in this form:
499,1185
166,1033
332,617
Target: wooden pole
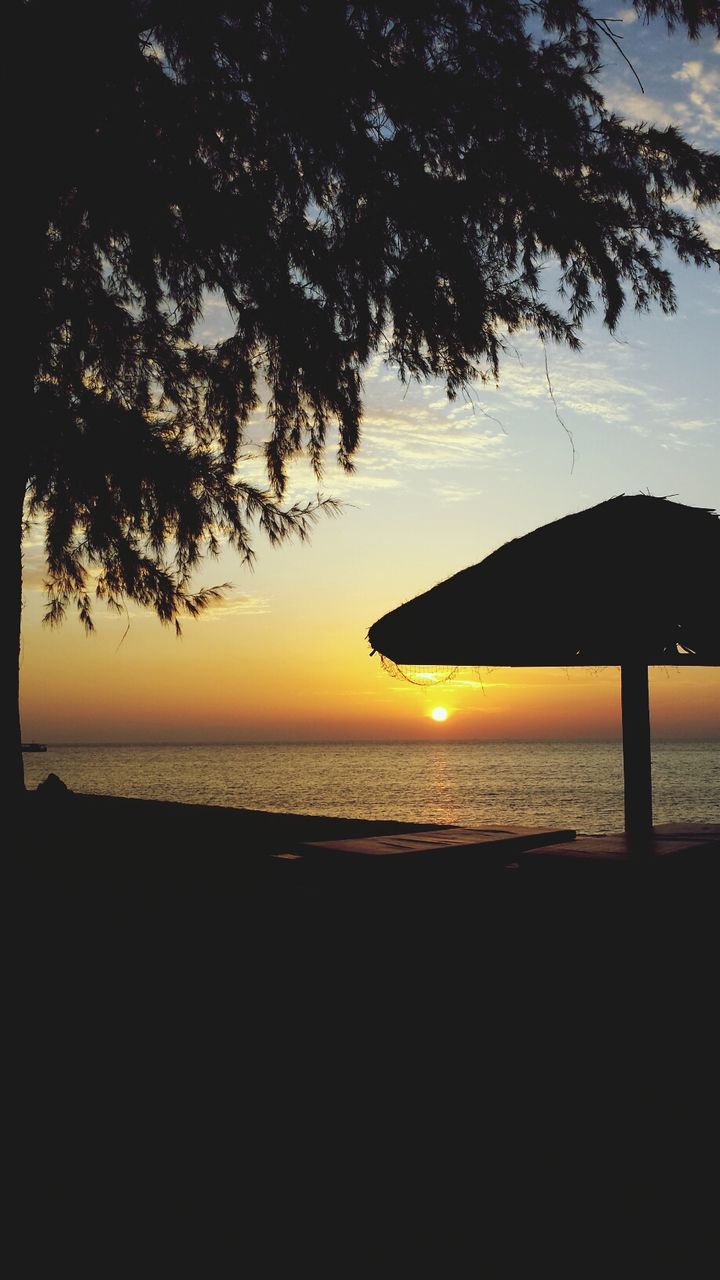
636,753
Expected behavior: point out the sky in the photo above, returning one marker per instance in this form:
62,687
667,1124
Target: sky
438,486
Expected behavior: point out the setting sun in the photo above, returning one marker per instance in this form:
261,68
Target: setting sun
439,713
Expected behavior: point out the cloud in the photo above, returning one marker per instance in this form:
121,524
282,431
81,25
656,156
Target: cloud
421,445
640,108
703,108
231,606
403,429
455,493
680,443
35,574
695,424
692,103
412,434
479,683
215,611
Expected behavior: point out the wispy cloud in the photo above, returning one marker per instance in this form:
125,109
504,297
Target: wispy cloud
692,102
702,109
638,107
457,493
232,606
696,424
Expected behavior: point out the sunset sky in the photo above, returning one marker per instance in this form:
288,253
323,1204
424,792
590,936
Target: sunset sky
438,486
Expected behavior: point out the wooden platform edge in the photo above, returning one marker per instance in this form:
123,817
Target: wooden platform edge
450,843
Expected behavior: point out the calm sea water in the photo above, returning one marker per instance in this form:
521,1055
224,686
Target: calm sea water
475,783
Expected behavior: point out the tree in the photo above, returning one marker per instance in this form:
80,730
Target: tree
398,193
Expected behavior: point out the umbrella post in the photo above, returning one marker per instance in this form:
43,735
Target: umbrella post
636,753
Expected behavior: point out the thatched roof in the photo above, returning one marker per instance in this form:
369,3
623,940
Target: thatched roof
634,578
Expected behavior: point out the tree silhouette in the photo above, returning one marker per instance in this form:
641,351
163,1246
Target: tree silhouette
349,179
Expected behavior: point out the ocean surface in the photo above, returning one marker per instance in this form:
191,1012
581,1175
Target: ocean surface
573,784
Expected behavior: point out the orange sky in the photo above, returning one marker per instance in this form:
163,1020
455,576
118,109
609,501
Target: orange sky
295,665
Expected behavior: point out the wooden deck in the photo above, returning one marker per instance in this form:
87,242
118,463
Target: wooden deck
517,847
496,845
670,842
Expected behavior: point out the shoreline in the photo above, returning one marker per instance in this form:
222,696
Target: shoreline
87,836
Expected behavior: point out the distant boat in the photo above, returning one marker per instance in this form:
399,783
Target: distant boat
33,746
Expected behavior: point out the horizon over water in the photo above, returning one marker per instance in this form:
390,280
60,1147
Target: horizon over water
535,783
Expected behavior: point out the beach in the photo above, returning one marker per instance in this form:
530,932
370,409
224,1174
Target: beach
220,1054
213,895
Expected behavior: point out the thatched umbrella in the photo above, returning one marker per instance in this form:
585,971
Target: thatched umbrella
631,582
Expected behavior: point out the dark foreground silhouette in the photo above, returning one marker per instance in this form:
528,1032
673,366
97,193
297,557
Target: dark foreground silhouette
216,1056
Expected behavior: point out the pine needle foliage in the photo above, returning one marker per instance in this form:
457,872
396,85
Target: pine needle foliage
350,179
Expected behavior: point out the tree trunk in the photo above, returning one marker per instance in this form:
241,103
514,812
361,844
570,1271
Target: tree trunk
12,514
25,279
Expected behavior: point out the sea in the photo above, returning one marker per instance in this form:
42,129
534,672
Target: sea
570,784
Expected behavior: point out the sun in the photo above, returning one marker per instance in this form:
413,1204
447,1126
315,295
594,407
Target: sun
439,713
